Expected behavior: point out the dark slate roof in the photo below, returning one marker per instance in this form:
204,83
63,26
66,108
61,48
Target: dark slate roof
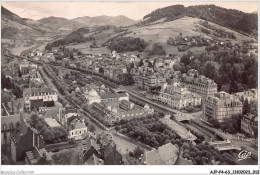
105,138
70,109
77,124
20,131
117,95
51,113
37,103
38,90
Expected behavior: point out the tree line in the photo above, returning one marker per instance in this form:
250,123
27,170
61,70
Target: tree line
125,44
50,135
231,70
234,19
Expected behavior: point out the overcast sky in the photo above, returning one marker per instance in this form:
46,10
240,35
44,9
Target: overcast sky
133,10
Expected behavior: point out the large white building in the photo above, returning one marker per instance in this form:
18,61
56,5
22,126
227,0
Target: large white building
36,97
199,83
76,129
177,96
220,106
92,97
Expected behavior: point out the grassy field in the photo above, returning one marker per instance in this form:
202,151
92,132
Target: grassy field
157,33
18,50
161,32
85,49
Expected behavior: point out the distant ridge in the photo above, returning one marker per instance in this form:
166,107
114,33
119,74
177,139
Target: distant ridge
14,26
87,21
237,20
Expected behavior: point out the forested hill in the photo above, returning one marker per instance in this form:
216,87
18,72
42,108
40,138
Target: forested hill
75,36
237,20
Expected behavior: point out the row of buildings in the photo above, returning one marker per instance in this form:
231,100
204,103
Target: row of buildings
192,89
28,145
223,105
183,91
146,77
116,106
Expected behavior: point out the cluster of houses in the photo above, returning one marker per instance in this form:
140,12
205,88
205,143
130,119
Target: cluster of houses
146,77
26,145
223,105
189,40
111,65
113,106
155,76
99,149
190,89
181,91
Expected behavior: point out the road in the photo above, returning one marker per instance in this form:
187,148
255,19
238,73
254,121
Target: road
123,145
51,84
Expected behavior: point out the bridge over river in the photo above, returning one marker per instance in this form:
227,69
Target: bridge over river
225,145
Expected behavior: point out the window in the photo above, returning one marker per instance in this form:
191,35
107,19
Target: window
72,133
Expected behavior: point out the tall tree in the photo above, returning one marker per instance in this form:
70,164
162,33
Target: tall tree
141,63
246,107
233,86
101,70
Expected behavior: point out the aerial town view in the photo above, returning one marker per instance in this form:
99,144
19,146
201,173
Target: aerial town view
175,86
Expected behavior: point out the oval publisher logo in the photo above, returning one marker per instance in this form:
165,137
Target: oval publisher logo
244,155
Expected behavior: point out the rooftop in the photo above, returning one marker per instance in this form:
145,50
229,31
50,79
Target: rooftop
116,95
70,109
51,112
162,155
251,117
77,124
38,90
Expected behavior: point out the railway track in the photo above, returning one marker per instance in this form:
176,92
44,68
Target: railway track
151,105
207,135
